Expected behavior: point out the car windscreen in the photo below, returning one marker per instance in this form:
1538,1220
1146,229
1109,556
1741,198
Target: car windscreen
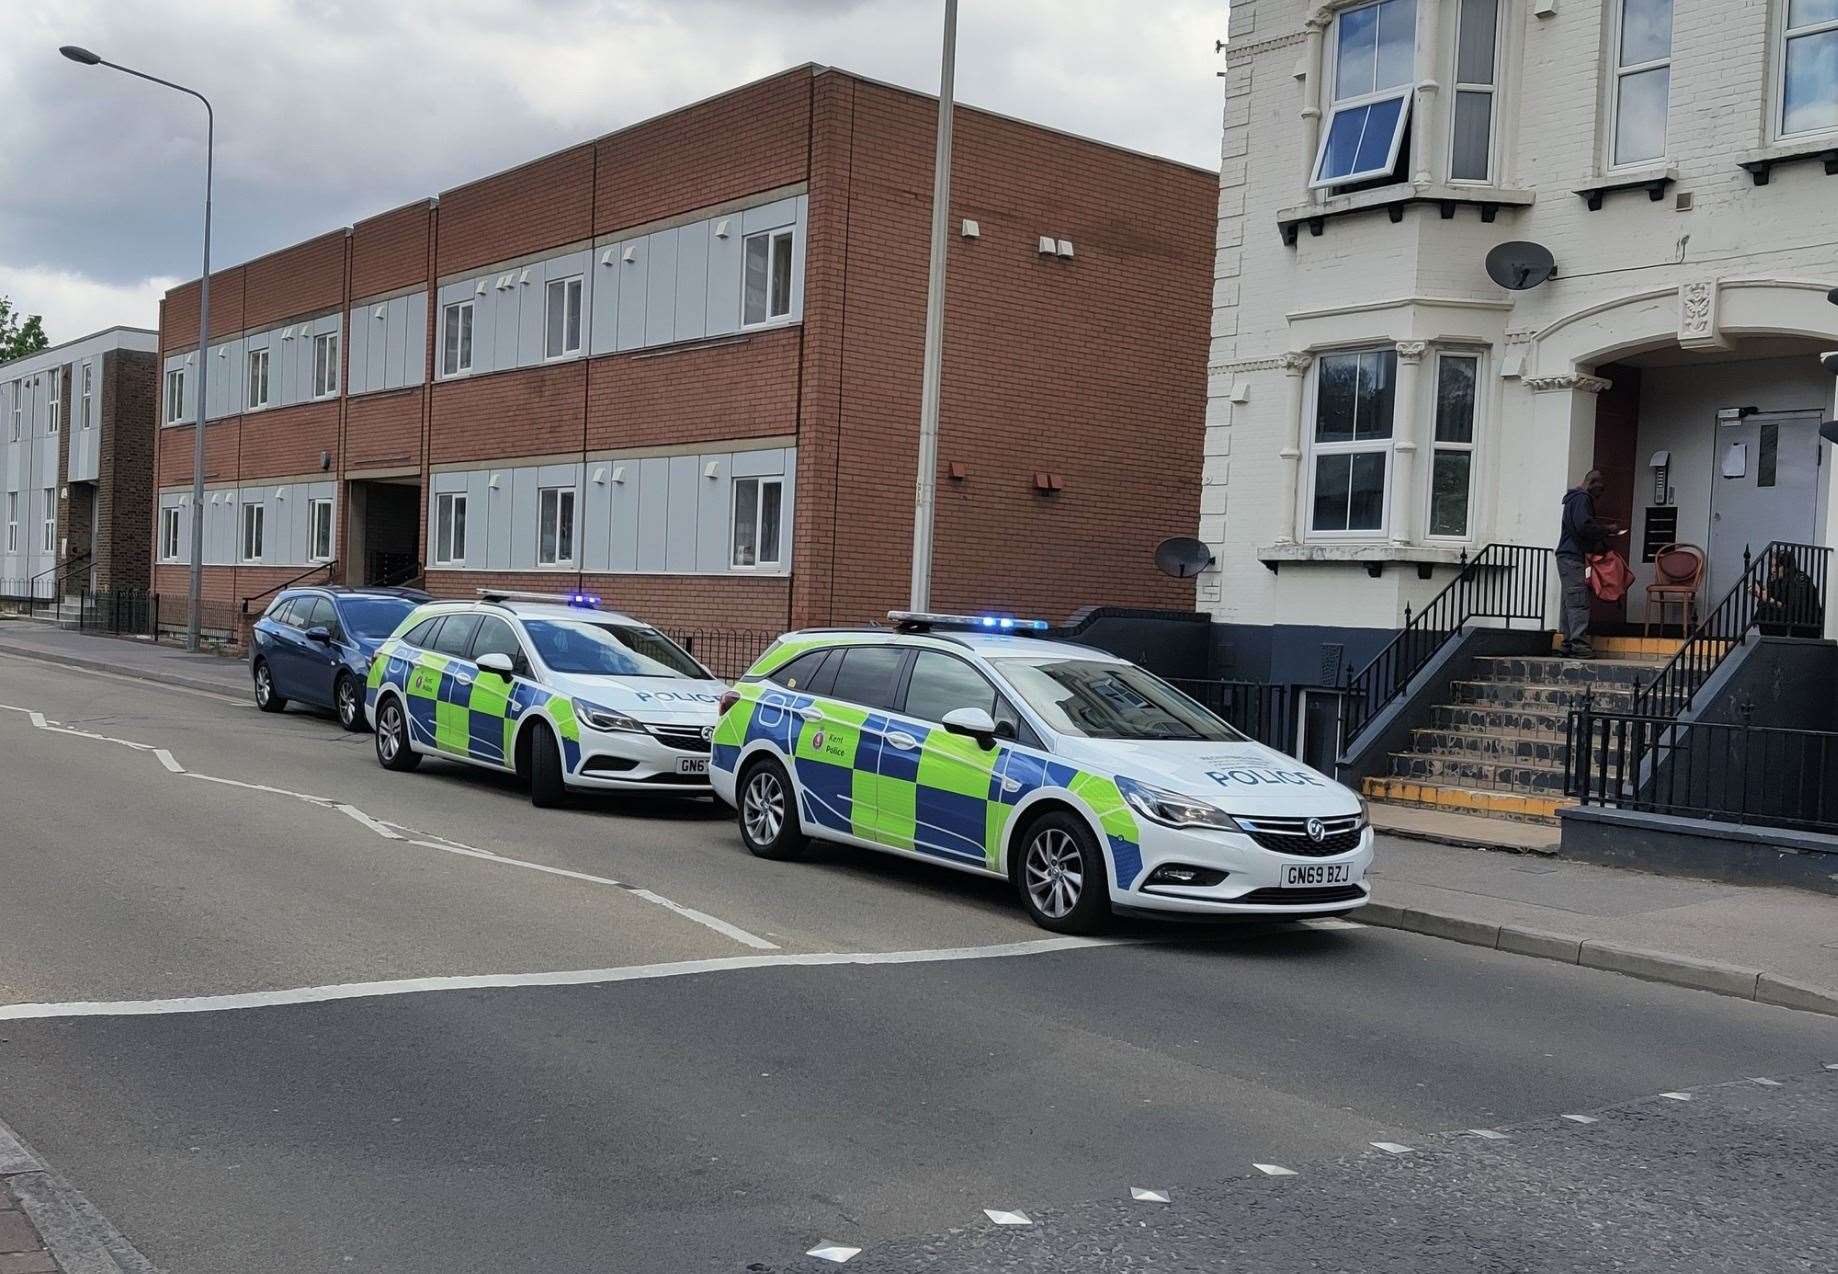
598,648
373,617
1100,699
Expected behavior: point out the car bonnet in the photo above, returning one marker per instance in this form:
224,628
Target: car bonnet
663,700
1238,777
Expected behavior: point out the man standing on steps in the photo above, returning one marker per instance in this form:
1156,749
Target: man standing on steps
1579,537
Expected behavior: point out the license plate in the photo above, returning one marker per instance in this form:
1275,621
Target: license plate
692,765
1306,874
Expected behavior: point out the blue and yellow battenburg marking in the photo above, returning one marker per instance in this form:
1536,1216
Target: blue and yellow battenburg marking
464,713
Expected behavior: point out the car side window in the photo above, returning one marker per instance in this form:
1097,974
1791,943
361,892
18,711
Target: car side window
868,675
420,634
801,673
318,613
495,637
282,612
942,683
455,636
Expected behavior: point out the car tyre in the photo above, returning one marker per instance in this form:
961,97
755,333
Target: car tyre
768,812
547,788
393,750
348,699
267,698
1060,874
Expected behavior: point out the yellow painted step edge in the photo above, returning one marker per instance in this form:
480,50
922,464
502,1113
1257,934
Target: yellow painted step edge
1662,646
1463,800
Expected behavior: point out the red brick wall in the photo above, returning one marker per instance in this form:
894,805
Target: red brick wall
179,311
123,508
299,280
742,389
669,601
384,430
287,440
391,251
175,452
532,412
527,209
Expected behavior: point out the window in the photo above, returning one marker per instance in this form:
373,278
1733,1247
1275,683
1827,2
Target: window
449,528
19,399
455,636
564,318
869,675
12,521
1471,132
1643,81
1352,439
1104,699
325,364
252,532
495,637
555,526
373,617
1808,69
317,612
55,401
801,673
48,538
175,395
768,277
456,346
1374,69
1452,465
319,530
88,382
596,647
169,533
258,380
941,683
418,635
758,509
287,610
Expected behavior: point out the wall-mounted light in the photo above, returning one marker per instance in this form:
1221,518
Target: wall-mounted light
1048,483
630,255
606,257
223,351
721,228
280,493
959,471
971,230
712,469
497,480
1239,393
1065,248
480,289
524,278
599,475
1048,245
380,312
618,473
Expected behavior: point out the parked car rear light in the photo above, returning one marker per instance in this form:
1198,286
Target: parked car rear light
728,699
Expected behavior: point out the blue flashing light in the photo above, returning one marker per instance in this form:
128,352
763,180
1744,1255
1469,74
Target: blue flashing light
991,623
586,601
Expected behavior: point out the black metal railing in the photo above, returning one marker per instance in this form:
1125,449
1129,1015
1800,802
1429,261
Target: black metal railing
1264,710
329,568
1725,772
45,590
726,652
1503,581
122,612
1782,592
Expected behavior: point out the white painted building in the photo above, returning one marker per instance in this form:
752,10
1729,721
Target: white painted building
1378,405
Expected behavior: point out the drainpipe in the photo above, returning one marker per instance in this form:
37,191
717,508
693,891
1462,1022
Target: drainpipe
1426,130
1311,101
1295,368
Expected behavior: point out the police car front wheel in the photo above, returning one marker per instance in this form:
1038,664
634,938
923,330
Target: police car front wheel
393,751
1061,875
769,813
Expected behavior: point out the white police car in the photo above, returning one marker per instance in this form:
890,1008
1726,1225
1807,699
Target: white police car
549,687
1087,781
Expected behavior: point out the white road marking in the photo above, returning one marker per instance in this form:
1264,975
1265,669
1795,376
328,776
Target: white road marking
505,981
1677,1096
1766,1083
1391,1148
1831,1066
1488,1134
835,1252
1148,1196
1581,1119
1007,1218
1330,922
166,759
353,812
1274,1170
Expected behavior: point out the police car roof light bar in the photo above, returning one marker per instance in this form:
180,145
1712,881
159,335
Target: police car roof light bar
585,601
922,621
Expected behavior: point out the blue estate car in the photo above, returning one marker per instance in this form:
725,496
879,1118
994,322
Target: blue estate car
315,644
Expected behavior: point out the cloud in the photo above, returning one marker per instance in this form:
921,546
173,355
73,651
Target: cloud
330,110
75,306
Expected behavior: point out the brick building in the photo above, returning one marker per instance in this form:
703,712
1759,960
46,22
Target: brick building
679,366
76,465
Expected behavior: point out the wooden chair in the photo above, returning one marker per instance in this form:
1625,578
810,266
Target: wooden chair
1678,573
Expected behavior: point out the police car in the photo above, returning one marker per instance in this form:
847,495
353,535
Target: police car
1087,781
549,687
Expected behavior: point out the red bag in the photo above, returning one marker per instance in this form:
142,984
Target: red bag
1609,576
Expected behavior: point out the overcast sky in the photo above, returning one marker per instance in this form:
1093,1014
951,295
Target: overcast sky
329,110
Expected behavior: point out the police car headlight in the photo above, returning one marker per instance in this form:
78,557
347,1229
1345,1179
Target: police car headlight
599,718
1171,809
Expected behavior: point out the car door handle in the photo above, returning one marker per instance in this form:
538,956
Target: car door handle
902,740
809,714
461,678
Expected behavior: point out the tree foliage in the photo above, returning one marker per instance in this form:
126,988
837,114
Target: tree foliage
19,334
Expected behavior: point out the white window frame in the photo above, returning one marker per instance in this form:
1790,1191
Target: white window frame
1618,72
175,395
325,365
250,401
771,237
544,514
12,521
572,292
449,548
169,533
1778,109
254,530
452,313
1359,446
14,417
759,562
1472,447
54,401
1491,89
89,381
48,537
319,549
1331,106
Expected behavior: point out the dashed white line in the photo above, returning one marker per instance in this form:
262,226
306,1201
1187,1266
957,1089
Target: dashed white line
1765,1083
1581,1119
1141,1195
1677,1096
1487,1134
353,812
1274,1170
833,1252
166,759
1002,1217
1392,1148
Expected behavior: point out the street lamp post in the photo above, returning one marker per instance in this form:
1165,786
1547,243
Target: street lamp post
196,592
926,487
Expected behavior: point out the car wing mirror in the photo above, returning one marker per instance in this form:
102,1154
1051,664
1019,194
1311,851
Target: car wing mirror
973,723
319,633
498,663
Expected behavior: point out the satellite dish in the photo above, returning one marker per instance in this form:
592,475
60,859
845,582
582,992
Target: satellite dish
1182,556
1519,265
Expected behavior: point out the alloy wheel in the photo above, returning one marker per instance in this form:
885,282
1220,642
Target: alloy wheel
1054,872
347,702
389,737
264,685
763,809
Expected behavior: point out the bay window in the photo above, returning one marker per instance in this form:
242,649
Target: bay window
1350,444
1373,54
1807,67
1642,87
1452,454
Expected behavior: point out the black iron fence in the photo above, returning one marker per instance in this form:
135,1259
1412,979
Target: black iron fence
1264,710
726,652
1503,581
1782,592
1729,773
122,612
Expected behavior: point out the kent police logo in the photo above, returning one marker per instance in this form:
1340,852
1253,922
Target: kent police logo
1317,831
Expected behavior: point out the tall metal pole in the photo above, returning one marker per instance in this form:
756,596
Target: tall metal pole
926,487
196,591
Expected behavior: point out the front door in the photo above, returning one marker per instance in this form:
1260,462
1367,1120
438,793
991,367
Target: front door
1764,486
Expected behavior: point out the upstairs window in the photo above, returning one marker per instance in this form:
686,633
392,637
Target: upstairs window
555,526
759,505
55,400
48,536
257,397
563,326
325,364
169,533
88,384
1373,73
1643,82
175,395
767,290
253,518
456,341
1808,69
1471,131
319,530
449,528
12,521
13,418
1351,442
